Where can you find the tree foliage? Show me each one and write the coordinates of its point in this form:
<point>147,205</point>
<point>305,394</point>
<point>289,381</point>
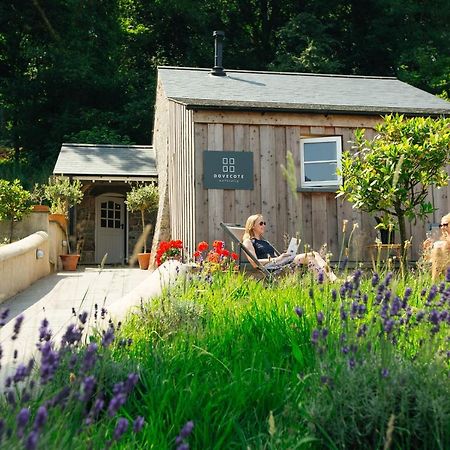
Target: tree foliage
<point>14,203</point>
<point>143,199</point>
<point>74,70</point>
<point>393,172</point>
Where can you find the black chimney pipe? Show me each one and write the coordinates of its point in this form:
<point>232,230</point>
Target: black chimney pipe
<point>217,70</point>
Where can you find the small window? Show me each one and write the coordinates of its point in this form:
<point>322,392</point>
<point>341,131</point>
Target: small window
<point>320,158</point>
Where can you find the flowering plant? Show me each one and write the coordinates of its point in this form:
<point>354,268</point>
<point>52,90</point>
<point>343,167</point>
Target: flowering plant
<point>218,258</point>
<point>167,250</point>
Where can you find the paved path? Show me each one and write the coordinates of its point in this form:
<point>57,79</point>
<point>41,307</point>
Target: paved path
<point>54,298</point>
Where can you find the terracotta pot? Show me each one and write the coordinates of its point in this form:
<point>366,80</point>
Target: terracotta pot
<point>59,218</point>
<point>69,262</point>
<point>41,208</point>
<point>144,260</point>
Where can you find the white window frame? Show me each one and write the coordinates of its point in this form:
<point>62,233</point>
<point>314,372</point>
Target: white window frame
<point>310,184</point>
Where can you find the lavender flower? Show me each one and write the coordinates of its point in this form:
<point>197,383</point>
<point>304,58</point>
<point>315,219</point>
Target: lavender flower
<point>384,373</point>
<point>388,278</point>
<point>49,362</point>
<point>447,275</point>
<point>72,335</point>
<point>90,357</point>
<point>22,420</point>
<point>388,325</point>
<point>138,424</point>
<point>298,311</point>
<point>351,363</point>
<point>41,418</point>
<point>334,295</point>
<point>108,337</point>
<point>375,279</point>
<point>121,428</point>
<point>83,317</point>
<point>315,337</point>
<point>184,434</point>
<point>320,317</point>
<point>321,276</point>
<point>32,440</point>
<point>115,403</point>
<point>87,387</point>
<point>17,325</point>
<point>3,316</point>
<point>44,332</point>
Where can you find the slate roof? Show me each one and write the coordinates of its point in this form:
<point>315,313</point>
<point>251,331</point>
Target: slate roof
<point>106,160</point>
<point>287,91</point>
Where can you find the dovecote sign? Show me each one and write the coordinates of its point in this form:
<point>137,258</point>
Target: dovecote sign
<point>227,170</point>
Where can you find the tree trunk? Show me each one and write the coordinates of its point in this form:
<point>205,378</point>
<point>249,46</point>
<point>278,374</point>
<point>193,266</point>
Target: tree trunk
<point>143,231</point>
<point>11,230</point>
<point>402,229</point>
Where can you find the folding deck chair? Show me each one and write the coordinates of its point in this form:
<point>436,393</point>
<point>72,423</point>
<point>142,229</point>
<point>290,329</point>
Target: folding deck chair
<point>236,232</point>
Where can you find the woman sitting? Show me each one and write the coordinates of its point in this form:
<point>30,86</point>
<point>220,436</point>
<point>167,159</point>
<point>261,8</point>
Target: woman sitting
<point>438,252</point>
<point>265,253</point>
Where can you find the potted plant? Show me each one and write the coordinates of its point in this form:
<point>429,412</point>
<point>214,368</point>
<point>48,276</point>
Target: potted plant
<point>14,203</point>
<point>143,199</point>
<point>63,194</point>
<point>38,197</point>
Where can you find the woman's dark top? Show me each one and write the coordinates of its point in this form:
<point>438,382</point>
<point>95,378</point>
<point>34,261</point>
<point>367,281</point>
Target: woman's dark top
<point>263,249</point>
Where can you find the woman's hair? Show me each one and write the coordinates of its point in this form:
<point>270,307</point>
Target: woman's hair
<point>249,233</point>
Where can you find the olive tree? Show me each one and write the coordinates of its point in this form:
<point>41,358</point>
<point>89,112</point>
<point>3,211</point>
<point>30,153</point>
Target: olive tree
<point>393,171</point>
<point>14,203</point>
<point>144,199</point>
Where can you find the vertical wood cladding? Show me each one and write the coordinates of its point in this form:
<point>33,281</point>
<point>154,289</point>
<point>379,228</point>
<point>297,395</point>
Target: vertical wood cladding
<point>196,212</point>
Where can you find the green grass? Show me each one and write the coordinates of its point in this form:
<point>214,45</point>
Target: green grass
<point>232,355</point>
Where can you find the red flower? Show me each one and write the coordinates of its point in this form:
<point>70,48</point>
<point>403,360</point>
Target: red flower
<point>197,254</point>
<point>202,246</point>
<point>167,249</point>
<point>218,245</point>
<point>235,256</point>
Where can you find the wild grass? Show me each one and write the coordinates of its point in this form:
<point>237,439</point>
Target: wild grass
<point>228,362</point>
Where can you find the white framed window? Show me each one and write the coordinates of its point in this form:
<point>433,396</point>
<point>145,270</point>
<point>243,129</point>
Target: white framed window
<point>320,158</point>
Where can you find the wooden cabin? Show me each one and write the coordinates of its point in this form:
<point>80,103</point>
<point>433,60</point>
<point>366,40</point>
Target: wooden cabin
<point>221,142</point>
<point>101,223</point>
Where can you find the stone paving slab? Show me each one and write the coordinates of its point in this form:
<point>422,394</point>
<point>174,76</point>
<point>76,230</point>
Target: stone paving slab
<point>54,298</point>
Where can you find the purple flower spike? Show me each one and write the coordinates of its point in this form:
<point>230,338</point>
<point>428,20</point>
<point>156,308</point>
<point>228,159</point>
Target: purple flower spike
<point>49,362</point>
<point>375,279</point>
<point>187,429</point>
<point>90,357</point>
<point>32,440</point>
<point>3,316</point>
<point>298,311</point>
<point>87,388</point>
<point>17,325</point>
<point>138,424</point>
<point>108,337</point>
<point>384,373</point>
<point>351,363</point>
<point>121,428</point>
<point>447,275</point>
<point>315,337</point>
<point>83,317</point>
<point>320,317</point>
<point>321,277</point>
<point>115,403</point>
<point>21,420</point>
<point>44,332</point>
<point>41,418</point>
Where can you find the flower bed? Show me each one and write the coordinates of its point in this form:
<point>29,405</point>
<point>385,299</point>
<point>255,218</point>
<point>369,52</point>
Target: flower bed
<point>229,362</point>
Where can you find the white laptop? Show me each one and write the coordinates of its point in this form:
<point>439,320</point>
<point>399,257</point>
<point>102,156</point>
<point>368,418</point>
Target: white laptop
<point>292,249</point>
<point>293,246</point>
